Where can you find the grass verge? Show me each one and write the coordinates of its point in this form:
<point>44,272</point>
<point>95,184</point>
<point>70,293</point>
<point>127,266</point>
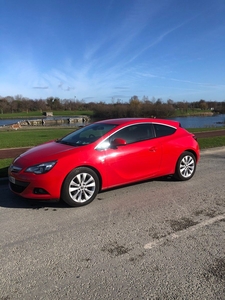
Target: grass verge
<point>31,137</point>
<point>211,142</point>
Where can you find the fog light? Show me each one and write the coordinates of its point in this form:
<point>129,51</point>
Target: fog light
<point>40,191</point>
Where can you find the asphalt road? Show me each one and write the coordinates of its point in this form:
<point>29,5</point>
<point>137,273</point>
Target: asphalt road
<point>160,239</point>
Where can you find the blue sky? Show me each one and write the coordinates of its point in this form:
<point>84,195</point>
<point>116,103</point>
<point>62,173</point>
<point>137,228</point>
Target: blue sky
<point>104,50</point>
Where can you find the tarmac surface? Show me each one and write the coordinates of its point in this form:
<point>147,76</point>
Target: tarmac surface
<point>156,240</point>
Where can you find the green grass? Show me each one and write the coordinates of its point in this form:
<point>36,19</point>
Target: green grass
<point>193,130</point>
<point>35,136</point>
<point>73,113</point>
<point>31,137</point>
<point>39,114</point>
<point>217,141</point>
<point>191,112</point>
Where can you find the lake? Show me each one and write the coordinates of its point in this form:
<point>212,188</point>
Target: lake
<point>201,122</point>
<point>186,122</point>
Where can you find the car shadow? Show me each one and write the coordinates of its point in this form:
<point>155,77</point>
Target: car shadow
<point>32,204</point>
<point>13,201</point>
<point>10,200</point>
<point>168,178</point>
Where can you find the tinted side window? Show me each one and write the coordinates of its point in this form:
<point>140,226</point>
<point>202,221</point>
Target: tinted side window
<point>163,130</point>
<point>135,133</point>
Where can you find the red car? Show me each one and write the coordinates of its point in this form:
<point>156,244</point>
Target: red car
<point>103,155</point>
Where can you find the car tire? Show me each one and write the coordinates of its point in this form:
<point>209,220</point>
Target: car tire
<point>80,187</point>
<point>186,166</point>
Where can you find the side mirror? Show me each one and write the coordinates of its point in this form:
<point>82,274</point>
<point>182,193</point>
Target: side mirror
<point>118,142</point>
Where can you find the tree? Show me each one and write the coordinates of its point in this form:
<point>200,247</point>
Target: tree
<point>203,105</point>
<point>54,103</point>
<point>4,106</point>
<point>135,105</point>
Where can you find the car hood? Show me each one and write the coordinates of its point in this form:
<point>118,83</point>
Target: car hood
<point>46,152</point>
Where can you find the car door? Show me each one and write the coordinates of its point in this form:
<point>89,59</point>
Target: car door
<point>138,159</point>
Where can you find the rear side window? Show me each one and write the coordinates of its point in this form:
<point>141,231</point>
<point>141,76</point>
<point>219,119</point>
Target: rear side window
<point>163,130</point>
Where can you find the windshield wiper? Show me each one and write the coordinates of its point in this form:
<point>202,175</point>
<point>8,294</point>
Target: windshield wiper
<point>65,143</point>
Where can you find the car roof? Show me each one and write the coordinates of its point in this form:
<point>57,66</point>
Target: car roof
<point>128,121</point>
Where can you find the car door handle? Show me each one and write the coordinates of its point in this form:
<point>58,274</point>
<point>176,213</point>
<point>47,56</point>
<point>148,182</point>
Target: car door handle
<point>152,149</point>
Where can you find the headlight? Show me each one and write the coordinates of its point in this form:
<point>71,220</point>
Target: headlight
<point>41,168</point>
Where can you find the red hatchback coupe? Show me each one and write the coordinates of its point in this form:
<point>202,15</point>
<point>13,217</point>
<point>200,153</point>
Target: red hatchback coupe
<point>103,155</point>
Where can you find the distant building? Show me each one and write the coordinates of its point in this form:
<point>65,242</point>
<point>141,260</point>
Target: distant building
<point>48,113</point>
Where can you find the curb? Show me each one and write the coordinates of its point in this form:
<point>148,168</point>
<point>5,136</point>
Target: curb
<point>210,150</point>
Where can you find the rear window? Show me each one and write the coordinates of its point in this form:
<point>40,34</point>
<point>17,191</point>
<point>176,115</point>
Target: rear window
<point>163,130</point>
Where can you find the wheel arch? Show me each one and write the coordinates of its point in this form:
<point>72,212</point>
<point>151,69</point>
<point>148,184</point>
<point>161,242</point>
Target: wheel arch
<point>186,150</point>
<point>191,151</point>
<point>85,166</point>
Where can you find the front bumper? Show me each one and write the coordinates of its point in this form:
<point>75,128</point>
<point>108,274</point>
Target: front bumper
<point>36,187</point>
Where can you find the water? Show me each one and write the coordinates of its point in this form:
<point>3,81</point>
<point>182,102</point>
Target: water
<point>186,122</point>
<point>201,122</point>
<point>8,122</point>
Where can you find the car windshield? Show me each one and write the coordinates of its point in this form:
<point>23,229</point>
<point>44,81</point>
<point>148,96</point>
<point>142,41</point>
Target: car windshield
<point>87,134</point>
